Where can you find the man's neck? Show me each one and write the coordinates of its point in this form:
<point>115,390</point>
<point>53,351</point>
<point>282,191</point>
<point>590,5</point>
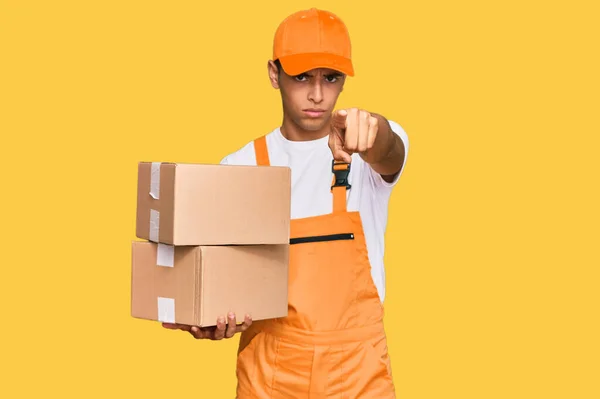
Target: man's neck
<point>292,132</point>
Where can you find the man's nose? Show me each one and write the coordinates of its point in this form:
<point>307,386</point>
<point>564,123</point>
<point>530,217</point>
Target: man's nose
<point>316,93</point>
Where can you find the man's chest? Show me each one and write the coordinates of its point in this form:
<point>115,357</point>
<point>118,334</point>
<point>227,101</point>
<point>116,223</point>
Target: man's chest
<point>312,178</point>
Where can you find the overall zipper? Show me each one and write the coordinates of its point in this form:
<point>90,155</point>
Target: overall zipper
<point>331,237</point>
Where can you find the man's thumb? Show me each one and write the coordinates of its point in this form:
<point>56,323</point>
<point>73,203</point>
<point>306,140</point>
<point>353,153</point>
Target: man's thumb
<point>337,149</point>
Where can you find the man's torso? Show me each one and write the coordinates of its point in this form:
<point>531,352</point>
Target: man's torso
<point>310,164</point>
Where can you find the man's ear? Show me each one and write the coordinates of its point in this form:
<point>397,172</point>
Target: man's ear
<point>273,74</point>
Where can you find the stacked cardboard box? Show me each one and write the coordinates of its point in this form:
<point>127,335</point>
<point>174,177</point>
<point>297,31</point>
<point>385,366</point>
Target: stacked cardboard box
<point>215,240</point>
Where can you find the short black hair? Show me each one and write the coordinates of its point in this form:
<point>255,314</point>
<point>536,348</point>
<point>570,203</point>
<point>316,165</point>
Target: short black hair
<point>278,65</point>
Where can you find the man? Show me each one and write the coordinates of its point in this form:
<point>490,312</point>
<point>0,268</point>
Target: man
<point>344,165</point>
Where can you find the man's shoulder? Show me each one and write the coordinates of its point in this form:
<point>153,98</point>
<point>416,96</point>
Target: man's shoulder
<point>396,128</point>
<point>245,155</point>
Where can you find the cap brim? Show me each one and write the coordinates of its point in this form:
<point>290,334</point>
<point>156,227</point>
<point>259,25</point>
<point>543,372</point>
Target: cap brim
<point>300,63</point>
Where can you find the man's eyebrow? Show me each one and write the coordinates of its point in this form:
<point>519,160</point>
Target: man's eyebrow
<point>333,73</point>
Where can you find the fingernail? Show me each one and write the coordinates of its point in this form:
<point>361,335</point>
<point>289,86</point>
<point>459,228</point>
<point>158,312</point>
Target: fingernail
<point>221,320</point>
<point>231,315</point>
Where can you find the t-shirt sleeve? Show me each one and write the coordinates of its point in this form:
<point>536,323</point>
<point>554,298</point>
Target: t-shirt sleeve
<point>244,156</point>
<point>378,180</point>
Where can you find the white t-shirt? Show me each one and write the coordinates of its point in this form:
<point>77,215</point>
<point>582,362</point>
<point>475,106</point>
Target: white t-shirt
<point>310,164</point>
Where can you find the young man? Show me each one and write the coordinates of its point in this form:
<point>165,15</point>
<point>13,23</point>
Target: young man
<point>344,165</point>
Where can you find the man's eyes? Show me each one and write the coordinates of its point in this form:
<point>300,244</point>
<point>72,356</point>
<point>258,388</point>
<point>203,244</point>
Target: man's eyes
<point>329,78</point>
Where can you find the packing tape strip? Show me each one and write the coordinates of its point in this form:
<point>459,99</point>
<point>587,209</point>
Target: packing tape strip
<point>154,225</point>
<point>155,180</point>
<point>165,255</point>
<point>166,310</point>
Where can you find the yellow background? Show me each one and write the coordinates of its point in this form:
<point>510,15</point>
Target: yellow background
<point>492,247</point>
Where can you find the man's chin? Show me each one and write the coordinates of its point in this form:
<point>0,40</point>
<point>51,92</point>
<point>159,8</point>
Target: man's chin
<point>314,124</point>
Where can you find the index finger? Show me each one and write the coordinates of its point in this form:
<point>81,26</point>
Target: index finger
<point>339,118</point>
<point>351,136</point>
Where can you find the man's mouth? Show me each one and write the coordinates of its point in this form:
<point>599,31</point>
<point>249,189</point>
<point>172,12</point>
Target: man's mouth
<point>314,112</point>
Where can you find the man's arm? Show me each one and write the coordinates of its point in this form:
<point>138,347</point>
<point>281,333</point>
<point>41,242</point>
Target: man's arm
<point>387,154</point>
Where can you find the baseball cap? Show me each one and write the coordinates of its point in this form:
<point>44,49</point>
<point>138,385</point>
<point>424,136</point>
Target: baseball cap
<point>311,39</point>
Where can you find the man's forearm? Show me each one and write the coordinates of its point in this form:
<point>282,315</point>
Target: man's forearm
<point>387,154</point>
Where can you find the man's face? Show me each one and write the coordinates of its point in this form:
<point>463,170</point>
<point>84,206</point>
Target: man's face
<point>308,99</point>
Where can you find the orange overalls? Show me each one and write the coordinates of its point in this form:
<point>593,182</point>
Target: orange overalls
<point>332,344</point>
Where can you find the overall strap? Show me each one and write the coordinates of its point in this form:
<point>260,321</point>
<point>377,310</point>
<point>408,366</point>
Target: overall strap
<point>340,170</point>
<point>340,184</point>
<point>261,151</point>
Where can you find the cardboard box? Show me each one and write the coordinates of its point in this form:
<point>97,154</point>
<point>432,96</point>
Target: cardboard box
<point>197,204</point>
<point>195,285</point>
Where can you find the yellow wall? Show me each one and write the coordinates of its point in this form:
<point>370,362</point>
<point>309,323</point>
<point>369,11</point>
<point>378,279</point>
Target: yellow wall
<point>492,284</point>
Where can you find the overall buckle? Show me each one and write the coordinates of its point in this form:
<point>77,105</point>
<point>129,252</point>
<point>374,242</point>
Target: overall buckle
<point>341,170</point>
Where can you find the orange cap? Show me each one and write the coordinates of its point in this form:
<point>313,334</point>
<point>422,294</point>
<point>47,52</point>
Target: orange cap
<point>311,39</point>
